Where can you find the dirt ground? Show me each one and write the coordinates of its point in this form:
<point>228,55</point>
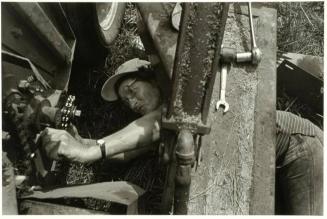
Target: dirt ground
<point>109,117</point>
<point>298,24</point>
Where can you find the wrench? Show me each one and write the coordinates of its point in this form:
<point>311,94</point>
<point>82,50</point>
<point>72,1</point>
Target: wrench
<point>256,53</point>
<point>223,80</point>
<point>251,26</point>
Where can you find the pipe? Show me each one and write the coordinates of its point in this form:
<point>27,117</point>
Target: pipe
<point>185,159</point>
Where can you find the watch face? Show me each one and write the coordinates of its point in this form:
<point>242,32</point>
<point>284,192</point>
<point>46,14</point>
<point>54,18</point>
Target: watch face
<point>100,141</point>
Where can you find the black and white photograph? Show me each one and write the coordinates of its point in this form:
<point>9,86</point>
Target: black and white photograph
<point>162,108</point>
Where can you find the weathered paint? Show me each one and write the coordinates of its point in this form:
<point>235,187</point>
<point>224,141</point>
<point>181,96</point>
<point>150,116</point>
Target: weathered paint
<point>264,138</point>
<point>236,174</point>
<point>156,17</point>
<point>41,33</point>
<point>38,20</point>
<point>191,75</point>
<point>193,62</point>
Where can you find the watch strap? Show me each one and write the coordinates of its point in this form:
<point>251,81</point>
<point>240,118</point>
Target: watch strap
<point>102,145</point>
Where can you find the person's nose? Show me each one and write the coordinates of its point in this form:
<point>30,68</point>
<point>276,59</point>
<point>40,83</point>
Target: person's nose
<point>132,102</point>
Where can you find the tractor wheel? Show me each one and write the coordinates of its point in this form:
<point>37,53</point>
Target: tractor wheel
<point>95,25</point>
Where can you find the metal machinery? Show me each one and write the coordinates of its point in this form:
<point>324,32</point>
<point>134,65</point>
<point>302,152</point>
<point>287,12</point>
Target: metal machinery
<point>199,142</point>
<point>37,50</point>
<point>33,106</point>
<point>38,46</point>
<point>37,53</point>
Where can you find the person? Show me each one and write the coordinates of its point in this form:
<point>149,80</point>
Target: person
<point>299,148</point>
<point>135,86</point>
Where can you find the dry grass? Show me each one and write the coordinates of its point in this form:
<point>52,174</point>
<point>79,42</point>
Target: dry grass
<point>300,29</point>
<point>101,118</point>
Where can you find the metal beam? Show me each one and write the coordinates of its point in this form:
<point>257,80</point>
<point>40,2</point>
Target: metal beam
<point>37,18</point>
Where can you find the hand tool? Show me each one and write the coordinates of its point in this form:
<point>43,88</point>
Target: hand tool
<point>223,80</point>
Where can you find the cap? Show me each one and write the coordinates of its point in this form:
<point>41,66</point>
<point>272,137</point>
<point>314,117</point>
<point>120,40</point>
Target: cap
<point>129,67</point>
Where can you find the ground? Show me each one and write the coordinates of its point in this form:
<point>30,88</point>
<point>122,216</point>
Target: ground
<point>300,30</point>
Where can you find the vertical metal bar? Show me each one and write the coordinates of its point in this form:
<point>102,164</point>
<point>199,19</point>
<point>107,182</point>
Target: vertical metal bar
<point>191,75</point>
<point>178,55</point>
<point>264,137</point>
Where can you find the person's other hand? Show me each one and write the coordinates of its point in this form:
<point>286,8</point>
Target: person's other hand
<point>59,144</point>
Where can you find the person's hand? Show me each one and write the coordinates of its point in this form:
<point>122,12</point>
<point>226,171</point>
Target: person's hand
<point>71,129</point>
<point>59,144</point>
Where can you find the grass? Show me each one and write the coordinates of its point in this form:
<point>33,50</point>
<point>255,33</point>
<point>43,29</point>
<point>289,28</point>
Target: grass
<point>300,30</point>
<point>298,24</point>
<point>102,118</point>
<point>300,27</point>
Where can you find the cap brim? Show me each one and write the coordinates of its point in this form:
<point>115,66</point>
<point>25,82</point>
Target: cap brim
<point>108,91</point>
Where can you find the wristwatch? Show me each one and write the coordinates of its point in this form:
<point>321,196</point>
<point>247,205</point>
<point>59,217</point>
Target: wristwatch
<point>102,145</point>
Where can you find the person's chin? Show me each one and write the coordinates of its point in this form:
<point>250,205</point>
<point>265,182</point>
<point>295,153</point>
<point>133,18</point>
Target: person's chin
<point>142,110</point>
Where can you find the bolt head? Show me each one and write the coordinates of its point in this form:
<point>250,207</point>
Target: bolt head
<point>32,155</point>
<point>256,55</point>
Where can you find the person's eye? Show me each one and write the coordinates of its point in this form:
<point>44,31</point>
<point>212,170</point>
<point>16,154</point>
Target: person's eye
<point>134,87</point>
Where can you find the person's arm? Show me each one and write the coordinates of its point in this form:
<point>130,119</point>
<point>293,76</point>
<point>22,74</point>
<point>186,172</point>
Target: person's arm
<point>138,134</point>
<point>129,155</point>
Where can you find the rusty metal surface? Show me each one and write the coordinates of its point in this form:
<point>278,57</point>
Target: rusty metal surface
<point>156,18</point>
<point>41,33</point>
<point>215,64</point>
<point>236,172</point>
<point>38,20</point>
<point>193,63</point>
<point>31,207</point>
<point>120,192</point>
<point>200,25</point>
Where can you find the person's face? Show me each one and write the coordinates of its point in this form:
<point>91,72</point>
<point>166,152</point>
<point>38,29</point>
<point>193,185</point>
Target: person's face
<point>141,96</point>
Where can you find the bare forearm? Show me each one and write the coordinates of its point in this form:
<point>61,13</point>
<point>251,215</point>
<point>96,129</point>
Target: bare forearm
<point>129,155</point>
<point>88,142</point>
<point>138,134</point>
